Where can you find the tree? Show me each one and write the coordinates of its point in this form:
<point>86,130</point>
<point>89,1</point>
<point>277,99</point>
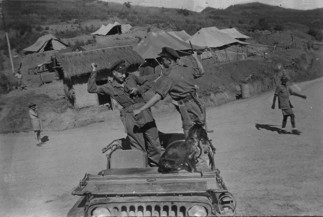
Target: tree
<point>184,12</point>
<point>316,33</point>
<point>39,28</point>
<point>127,5</point>
<point>278,27</point>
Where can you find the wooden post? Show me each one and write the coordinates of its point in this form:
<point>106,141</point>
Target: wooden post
<point>10,56</point>
<point>8,41</point>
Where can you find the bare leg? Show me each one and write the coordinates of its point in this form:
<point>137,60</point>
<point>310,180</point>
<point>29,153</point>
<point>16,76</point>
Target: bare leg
<point>38,135</point>
<point>284,121</point>
<point>292,120</point>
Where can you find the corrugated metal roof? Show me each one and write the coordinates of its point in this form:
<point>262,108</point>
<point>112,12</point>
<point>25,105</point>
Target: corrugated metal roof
<point>79,63</point>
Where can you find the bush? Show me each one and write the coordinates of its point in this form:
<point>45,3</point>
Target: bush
<point>23,28</point>
<point>316,33</point>
<point>184,12</point>
<point>39,28</point>
<point>278,27</point>
<point>127,5</point>
<point>7,83</point>
<point>263,24</point>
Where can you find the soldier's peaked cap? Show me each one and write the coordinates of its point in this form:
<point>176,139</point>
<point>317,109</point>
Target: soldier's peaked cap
<point>31,105</point>
<point>169,52</point>
<point>119,66</point>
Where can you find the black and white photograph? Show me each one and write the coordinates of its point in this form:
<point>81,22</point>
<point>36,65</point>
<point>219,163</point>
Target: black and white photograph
<point>189,108</point>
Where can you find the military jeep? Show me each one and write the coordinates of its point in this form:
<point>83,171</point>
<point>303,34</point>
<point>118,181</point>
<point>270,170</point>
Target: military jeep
<point>128,187</point>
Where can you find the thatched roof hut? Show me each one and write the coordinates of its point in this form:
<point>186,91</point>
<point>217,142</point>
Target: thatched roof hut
<point>76,68</point>
<point>76,64</point>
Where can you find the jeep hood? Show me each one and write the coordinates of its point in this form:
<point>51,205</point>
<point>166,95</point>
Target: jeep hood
<point>146,181</point>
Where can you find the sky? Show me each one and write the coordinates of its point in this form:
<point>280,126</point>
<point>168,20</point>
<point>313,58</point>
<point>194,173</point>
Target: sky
<point>199,5</point>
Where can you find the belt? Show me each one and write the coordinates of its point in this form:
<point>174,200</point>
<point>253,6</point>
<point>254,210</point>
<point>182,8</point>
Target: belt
<point>189,98</point>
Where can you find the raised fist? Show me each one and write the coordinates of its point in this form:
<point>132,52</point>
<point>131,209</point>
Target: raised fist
<point>94,66</point>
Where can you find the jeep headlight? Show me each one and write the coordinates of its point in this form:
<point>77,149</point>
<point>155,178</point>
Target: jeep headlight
<point>101,212</point>
<point>197,211</point>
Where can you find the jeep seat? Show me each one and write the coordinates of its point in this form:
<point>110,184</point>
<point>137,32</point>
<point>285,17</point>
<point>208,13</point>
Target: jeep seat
<point>132,158</point>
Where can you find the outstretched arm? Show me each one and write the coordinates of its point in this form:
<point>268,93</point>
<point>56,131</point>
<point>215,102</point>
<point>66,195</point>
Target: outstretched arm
<point>143,81</point>
<point>164,86</point>
<point>297,94</point>
<point>156,98</point>
<point>92,87</point>
<point>91,83</point>
<point>200,71</point>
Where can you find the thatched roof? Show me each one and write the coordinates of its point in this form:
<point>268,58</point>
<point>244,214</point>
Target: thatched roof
<point>79,63</point>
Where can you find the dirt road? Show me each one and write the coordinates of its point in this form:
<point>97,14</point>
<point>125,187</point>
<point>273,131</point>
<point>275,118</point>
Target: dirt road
<point>269,173</point>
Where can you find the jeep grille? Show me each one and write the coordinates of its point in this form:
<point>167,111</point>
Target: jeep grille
<point>150,209</point>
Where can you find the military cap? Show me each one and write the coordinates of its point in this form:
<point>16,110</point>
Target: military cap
<point>31,105</point>
<point>119,66</point>
<point>170,53</point>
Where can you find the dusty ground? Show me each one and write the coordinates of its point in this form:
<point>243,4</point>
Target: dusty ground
<point>269,173</point>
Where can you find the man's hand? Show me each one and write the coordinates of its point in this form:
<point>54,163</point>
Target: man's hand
<point>136,112</point>
<point>94,66</point>
<point>194,54</point>
<point>134,91</point>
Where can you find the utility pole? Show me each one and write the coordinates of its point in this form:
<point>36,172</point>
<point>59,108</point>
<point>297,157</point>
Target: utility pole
<point>7,36</point>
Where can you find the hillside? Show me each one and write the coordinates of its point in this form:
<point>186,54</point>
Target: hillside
<point>252,12</point>
<point>42,14</point>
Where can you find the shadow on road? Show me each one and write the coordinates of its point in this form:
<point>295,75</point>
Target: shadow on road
<point>43,140</point>
<point>276,129</point>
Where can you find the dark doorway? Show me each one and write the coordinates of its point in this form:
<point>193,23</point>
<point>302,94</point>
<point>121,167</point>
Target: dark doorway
<point>103,99</point>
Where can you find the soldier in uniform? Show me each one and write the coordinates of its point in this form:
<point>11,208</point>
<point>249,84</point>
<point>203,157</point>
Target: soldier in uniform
<point>141,130</point>
<point>283,92</point>
<point>178,82</point>
<point>141,85</point>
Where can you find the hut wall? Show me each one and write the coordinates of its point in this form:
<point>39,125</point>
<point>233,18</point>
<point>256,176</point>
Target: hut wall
<point>83,98</point>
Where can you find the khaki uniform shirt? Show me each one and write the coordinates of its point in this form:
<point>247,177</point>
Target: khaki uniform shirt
<point>114,90</point>
<point>178,81</point>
